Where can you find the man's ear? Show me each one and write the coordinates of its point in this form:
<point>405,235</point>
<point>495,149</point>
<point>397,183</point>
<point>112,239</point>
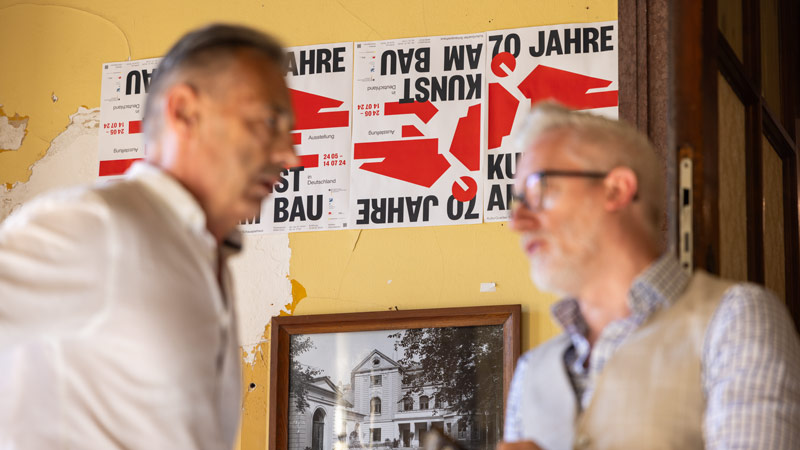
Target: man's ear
<point>621,187</point>
<point>181,106</point>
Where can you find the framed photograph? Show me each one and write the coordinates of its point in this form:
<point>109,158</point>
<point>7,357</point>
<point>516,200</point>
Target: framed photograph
<point>383,380</point>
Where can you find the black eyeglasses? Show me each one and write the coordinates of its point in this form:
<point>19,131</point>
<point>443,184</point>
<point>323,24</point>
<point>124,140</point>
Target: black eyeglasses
<point>532,198</point>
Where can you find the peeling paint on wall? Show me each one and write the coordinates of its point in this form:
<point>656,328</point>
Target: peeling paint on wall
<point>261,286</point>
<point>12,131</point>
<point>71,159</point>
<point>298,293</point>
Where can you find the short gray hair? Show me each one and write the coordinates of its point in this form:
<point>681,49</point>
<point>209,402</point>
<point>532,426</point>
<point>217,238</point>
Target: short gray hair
<point>607,144</point>
<point>203,51</point>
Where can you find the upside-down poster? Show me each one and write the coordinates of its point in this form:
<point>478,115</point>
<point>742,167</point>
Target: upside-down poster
<point>573,64</point>
<point>418,127</point>
<point>122,94</point>
<point>314,195</point>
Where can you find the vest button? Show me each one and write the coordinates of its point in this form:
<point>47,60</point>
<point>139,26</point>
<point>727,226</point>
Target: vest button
<point>582,441</point>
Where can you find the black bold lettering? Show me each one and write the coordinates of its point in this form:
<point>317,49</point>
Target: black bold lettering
<point>474,55</point>
<point>423,59</point>
<point>474,83</point>
<point>496,198</point>
<point>570,41</point>
<point>429,201</point>
<point>496,40</point>
<point>533,51</point>
<point>455,80</point>
<point>455,209</point>
<point>414,207</point>
<point>512,44</point>
<point>338,59</point>
<point>590,38</point>
<point>395,210</point>
<point>283,184</point>
<point>454,55</point>
<point>495,171</point>
<point>422,89</point>
<point>133,80</point>
<point>405,58</point>
<point>146,79</point>
<point>280,211</point>
<point>378,210</point>
<point>363,212</point>
<point>554,44</point>
<point>296,178</point>
<point>438,89</point>
<point>298,211</point>
<point>406,98</point>
<point>471,215</point>
<point>323,61</point>
<point>291,64</point>
<point>605,38</point>
<point>314,214</point>
<point>389,58</point>
<point>306,62</point>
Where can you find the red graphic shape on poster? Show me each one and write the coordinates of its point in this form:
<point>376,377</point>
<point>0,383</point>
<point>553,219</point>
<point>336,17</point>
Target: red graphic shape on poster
<point>115,166</point>
<point>500,59</point>
<point>568,88</point>
<point>134,127</point>
<point>502,110</point>
<point>415,161</point>
<point>411,131</point>
<point>308,114</point>
<point>308,161</point>
<point>465,195</point>
<point>297,138</point>
<point>466,145</point>
<point>424,110</point>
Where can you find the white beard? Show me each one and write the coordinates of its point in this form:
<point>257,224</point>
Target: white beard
<point>562,269</point>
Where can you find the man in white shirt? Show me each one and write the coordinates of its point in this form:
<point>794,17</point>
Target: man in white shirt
<point>117,326</point>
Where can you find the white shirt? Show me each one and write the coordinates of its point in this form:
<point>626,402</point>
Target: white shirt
<point>114,331</point>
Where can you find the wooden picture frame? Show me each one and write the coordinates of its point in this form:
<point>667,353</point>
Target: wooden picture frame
<point>437,328</point>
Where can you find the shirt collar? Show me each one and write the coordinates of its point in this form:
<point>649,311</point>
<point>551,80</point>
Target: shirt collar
<point>657,286</point>
<point>183,204</point>
<point>171,193</point>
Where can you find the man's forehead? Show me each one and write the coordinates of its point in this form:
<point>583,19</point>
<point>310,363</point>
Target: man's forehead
<point>255,79</point>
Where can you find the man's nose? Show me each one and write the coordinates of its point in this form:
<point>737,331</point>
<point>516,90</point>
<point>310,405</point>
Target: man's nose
<point>283,152</point>
<point>522,219</point>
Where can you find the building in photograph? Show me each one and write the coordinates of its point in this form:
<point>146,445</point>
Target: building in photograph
<point>374,410</point>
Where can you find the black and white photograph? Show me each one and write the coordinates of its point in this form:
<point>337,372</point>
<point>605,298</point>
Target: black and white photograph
<point>388,389</point>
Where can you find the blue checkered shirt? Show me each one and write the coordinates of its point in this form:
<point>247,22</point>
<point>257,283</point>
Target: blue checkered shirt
<point>750,367</point>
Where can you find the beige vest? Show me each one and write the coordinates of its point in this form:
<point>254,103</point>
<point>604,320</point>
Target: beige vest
<point>650,393</point>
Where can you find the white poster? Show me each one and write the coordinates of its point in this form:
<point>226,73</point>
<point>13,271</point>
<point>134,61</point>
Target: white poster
<point>314,195</point>
<point>573,64</point>
<point>418,129</point>
<point>122,95</point>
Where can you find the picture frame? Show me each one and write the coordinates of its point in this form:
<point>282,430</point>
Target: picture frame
<point>443,368</point>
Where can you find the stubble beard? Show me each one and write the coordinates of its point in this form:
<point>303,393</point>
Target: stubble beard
<point>563,269</point>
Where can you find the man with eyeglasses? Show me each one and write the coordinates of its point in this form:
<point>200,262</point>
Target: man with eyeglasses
<point>117,326</point>
<point>650,357</point>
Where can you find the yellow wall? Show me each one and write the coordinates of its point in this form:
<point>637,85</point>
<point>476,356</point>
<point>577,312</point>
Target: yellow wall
<point>58,50</point>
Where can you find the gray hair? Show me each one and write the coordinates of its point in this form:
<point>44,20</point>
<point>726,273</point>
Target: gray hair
<point>201,53</point>
<point>606,144</point>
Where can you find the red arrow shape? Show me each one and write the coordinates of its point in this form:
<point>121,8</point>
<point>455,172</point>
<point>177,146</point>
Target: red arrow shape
<point>415,161</point>
<point>424,110</point>
<point>466,144</point>
<point>568,88</point>
<point>307,113</point>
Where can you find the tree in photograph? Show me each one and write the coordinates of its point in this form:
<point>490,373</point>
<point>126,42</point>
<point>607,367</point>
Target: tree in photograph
<point>300,375</point>
<point>462,365</point>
